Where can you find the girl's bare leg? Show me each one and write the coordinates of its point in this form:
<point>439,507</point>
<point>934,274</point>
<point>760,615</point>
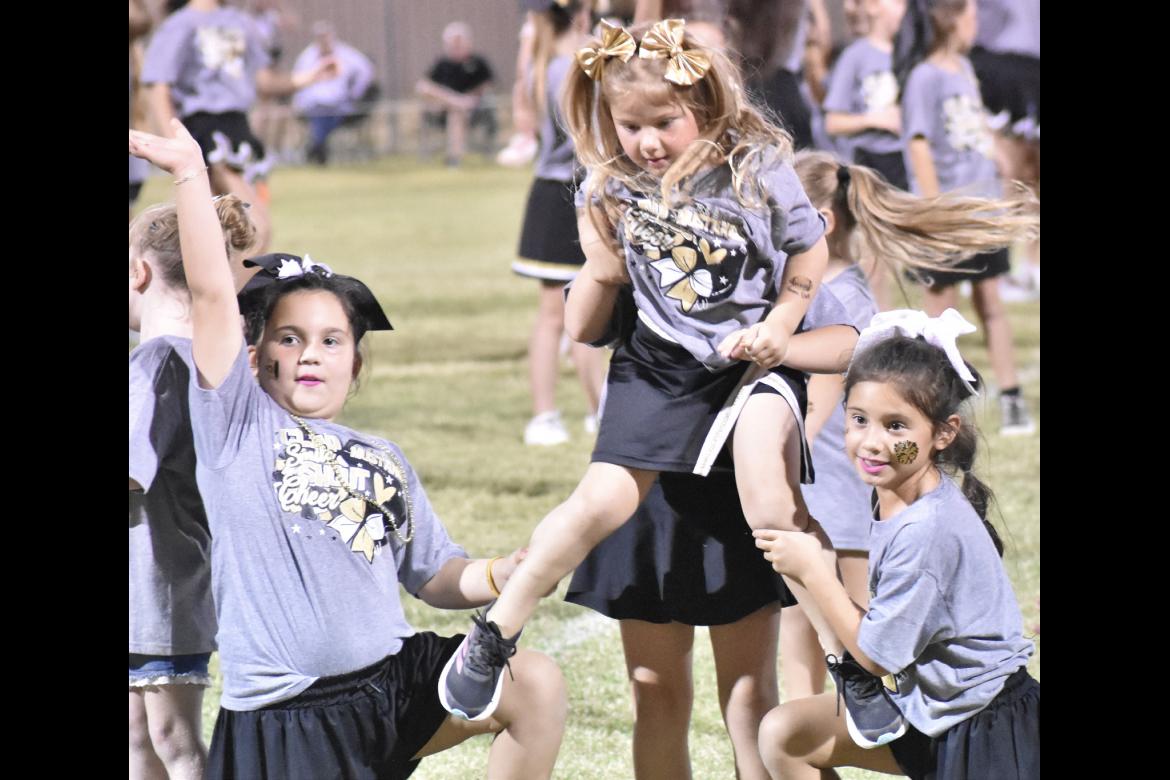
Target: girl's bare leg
<point>803,659</point>
<point>998,331</point>
<point>745,667</point>
<point>543,347</point>
<point>658,662</point>
<point>936,300</point>
<point>766,449</point>
<point>605,498</point>
<point>529,722</point>
<point>144,762</point>
<point>806,738</point>
<point>174,714</point>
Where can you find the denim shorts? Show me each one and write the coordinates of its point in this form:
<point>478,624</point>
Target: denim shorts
<point>147,670</point>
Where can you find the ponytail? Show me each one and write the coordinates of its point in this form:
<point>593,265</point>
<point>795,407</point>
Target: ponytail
<point>907,232</point>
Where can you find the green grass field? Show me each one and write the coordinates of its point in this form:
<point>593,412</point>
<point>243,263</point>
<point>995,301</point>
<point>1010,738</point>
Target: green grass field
<point>449,385</point>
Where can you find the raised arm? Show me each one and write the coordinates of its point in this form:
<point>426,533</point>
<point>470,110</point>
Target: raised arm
<point>215,316</point>
<point>591,298</point>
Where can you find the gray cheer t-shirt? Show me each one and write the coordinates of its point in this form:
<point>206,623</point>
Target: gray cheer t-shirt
<point>711,266</point>
<point>305,577</point>
<point>839,500</point>
<point>209,59</point>
<point>945,108</point>
<point>942,614</point>
<point>171,611</point>
<point>557,160</point>
<point>863,82</point>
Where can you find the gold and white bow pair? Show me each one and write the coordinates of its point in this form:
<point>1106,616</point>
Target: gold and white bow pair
<point>664,40</point>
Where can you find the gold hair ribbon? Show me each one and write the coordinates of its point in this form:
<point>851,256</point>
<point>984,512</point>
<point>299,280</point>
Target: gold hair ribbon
<point>615,42</point>
<point>665,39</point>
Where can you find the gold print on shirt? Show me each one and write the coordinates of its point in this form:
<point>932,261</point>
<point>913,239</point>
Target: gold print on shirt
<point>966,126</point>
<point>306,485</point>
<point>222,48</point>
<point>685,247</point>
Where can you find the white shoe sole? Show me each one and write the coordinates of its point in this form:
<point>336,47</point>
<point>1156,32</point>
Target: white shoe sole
<point>455,711</point>
<point>867,744</point>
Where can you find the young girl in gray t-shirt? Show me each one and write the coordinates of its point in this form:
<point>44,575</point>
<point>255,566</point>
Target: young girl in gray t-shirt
<point>949,147</point>
<point>934,680</point>
<point>314,526</point>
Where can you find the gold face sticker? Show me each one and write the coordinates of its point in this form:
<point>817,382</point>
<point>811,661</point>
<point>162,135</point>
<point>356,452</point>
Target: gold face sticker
<point>905,452</point>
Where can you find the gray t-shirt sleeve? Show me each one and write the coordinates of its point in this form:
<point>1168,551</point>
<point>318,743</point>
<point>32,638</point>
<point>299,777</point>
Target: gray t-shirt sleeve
<point>167,50</point>
<point>919,101</point>
<point>908,611</point>
<point>839,97</point>
<point>149,435</point>
<point>222,416</point>
<point>796,225</point>
<point>430,548</point>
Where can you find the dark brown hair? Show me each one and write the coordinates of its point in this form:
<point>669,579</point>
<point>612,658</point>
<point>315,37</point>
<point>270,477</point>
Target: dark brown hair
<point>924,376</point>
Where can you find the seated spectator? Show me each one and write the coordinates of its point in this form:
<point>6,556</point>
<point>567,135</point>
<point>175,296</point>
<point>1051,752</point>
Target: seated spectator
<point>327,104</point>
<point>455,86</point>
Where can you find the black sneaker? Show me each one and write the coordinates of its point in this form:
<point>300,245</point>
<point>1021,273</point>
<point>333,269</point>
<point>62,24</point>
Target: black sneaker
<point>870,714</point>
<point>473,678</point>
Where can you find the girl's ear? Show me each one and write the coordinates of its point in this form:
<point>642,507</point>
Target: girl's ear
<point>253,361</point>
<point>357,364</point>
<point>947,432</point>
<point>140,274</point>
<point>830,220</point>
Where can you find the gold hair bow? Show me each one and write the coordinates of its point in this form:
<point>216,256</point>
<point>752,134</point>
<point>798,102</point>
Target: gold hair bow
<point>615,42</point>
<point>665,39</point>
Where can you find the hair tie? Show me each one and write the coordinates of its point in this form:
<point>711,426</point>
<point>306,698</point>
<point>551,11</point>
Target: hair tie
<point>665,40</point>
<point>844,177</point>
<point>615,42</point>
<point>941,331</point>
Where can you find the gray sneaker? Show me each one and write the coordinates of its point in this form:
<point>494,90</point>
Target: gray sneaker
<point>473,677</point>
<point>870,715</point>
<point>1014,417</point>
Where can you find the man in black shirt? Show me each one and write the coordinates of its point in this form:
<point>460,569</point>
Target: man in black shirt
<point>455,86</point>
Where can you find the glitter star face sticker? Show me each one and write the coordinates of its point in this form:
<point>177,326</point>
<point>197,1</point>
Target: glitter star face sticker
<point>905,452</point>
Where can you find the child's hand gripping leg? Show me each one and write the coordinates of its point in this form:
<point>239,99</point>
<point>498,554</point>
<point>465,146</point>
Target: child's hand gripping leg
<point>766,449</point>
<point>606,497</point>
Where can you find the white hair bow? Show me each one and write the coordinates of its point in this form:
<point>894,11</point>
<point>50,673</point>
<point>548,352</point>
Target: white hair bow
<point>290,268</point>
<point>941,332</point>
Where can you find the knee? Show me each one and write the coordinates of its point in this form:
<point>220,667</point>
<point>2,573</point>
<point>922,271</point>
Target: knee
<point>139,731</point>
<point>662,698</point>
<point>173,738</point>
<point>778,731</point>
<point>536,692</point>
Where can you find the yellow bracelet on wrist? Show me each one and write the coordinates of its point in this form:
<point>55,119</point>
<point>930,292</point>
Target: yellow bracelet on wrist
<point>491,581</point>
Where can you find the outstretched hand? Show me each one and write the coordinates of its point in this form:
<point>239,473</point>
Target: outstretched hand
<point>179,155</point>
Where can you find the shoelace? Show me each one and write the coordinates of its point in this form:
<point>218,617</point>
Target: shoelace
<point>833,663</point>
<point>864,683</point>
<point>492,650</point>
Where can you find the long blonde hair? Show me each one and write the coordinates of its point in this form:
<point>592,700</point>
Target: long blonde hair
<point>908,232</point>
<point>731,128</point>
